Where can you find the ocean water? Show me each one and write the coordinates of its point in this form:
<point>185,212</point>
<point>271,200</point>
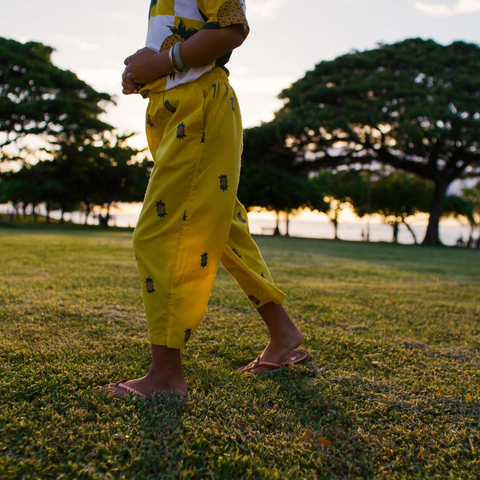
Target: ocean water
<point>353,231</point>
<point>379,232</point>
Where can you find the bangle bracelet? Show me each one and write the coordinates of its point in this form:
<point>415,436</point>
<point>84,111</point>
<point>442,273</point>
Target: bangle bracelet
<point>177,57</point>
<point>172,63</point>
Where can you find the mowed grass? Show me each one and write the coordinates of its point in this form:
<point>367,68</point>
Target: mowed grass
<point>391,390</point>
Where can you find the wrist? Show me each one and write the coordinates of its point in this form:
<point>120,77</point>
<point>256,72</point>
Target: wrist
<point>162,64</point>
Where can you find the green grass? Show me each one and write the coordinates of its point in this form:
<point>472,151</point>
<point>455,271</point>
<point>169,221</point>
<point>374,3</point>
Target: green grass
<point>394,336</point>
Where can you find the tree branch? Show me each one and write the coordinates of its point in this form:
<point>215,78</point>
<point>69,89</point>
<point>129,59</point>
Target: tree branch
<point>410,166</point>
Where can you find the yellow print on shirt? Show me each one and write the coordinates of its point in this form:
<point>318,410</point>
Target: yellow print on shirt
<point>229,13</point>
<point>179,34</point>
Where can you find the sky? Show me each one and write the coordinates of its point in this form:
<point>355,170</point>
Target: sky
<point>288,38</point>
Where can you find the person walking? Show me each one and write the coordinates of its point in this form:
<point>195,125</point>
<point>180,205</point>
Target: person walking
<point>191,219</point>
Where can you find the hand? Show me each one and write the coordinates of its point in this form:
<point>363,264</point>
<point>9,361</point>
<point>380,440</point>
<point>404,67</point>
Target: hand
<point>142,67</point>
<point>129,86</point>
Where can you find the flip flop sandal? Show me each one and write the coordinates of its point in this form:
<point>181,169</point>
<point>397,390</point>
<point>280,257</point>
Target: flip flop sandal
<point>296,356</point>
<point>121,385</point>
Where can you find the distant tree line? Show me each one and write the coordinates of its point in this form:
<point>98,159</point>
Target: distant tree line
<point>386,131</point>
<point>80,163</point>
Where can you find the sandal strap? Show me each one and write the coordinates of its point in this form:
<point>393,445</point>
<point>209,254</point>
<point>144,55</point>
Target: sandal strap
<point>296,356</point>
<point>251,365</point>
<point>127,388</point>
<point>269,364</point>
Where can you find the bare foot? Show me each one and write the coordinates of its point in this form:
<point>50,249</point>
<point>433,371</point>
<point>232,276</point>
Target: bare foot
<point>165,376</point>
<point>147,386</point>
<point>284,335</point>
<point>278,348</point>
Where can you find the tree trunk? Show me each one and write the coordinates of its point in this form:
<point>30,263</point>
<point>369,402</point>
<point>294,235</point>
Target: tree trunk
<point>103,219</point>
<point>335,224</point>
<point>436,210</point>
<point>47,216</point>
<point>394,225</point>
<point>277,229</point>
<point>287,225</point>
<point>62,217</point>
<point>87,213</point>
<point>411,231</point>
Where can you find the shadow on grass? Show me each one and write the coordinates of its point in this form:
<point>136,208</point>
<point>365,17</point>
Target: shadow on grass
<point>372,425</point>
<point>158,438</point>
<point>326,432</point>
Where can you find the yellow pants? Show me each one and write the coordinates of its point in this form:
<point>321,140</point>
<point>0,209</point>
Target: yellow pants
<point>191,219</point>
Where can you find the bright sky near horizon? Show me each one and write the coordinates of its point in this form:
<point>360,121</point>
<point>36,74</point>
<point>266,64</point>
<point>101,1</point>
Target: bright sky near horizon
<point>287,38</point>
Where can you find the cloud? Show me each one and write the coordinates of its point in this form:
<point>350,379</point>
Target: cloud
<point>265,8</point>
<point>437,10</point>
<point>87,46</point>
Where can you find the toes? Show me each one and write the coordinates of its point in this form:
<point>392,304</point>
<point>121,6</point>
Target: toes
<point>112,391</point>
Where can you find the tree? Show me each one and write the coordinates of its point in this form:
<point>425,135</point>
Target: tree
<point>465,206</point>
<point>81,177</point>
<point>14,190</point>
<point>414,105</point>
<point>395,196</point>
<point>473,195</point>
<point>114,176</point>
<point>271,176</point>
<point>38,98</point>
<point>338,189</point>
<point>85,164</point>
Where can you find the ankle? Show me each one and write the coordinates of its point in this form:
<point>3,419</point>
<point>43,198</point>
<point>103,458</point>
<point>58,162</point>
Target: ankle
<point>166,376</point>
<point>286,335</point>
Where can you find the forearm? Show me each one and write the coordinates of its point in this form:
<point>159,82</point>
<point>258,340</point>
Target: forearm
<point>202,48</point>
<point>209,44</point>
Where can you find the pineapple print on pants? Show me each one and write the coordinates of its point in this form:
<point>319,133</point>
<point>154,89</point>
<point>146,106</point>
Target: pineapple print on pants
<point>181,252</point>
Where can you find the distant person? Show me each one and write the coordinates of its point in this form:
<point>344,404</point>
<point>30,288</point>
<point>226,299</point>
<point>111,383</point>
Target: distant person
<point>191,219</point>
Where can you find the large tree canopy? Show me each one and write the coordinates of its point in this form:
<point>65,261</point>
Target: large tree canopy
<point>414,105</point>
<point>36,97</point>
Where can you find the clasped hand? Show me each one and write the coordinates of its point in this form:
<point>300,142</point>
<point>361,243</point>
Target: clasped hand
<point>140,68</point>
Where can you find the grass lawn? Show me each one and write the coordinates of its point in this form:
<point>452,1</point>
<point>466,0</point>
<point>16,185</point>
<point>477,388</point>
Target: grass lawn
<point>391,390</point>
